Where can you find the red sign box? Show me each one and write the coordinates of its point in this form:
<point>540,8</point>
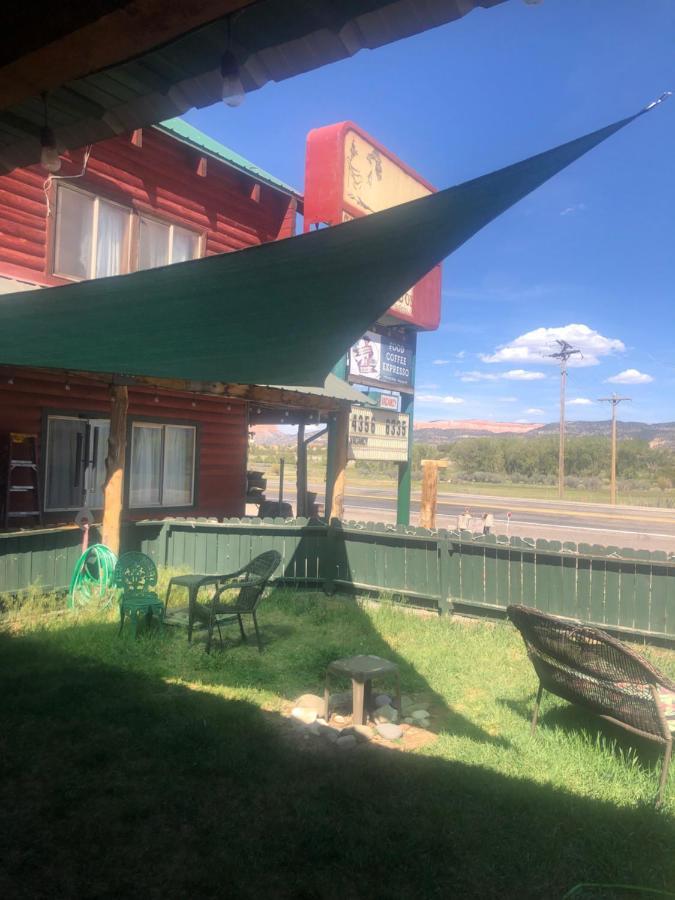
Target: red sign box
<point>348,174</point>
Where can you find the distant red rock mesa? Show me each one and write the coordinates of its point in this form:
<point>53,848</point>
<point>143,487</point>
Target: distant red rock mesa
<point>479,425</point>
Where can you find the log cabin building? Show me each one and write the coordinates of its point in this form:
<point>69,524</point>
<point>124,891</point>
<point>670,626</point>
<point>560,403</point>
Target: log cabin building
<point>154,197</point>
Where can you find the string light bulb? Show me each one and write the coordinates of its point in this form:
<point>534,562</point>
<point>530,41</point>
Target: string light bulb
<point>232,90</point>
<point>49,155</point>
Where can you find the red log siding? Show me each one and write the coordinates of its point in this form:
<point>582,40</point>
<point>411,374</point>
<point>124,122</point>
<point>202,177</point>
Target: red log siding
<point>161,178</point>
<point>221,441</point>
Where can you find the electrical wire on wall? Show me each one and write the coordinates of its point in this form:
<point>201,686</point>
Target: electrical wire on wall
<point>51,178</point>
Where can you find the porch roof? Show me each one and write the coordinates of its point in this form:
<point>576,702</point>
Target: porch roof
<point>280,313</point>
<point>110,69</point>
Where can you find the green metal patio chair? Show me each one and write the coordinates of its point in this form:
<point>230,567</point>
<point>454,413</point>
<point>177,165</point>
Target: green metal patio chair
<point>250,581</point>
<point>136,574</point>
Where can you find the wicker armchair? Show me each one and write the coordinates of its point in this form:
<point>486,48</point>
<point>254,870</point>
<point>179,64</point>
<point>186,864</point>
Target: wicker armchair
<point>588,667</point>
<point>250,581</point>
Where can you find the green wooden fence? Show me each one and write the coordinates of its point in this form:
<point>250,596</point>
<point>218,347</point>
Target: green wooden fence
<point>43,558</point>
<point>631,591</point>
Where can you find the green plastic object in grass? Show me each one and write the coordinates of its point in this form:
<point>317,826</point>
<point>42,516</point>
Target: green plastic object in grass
<point>136,574</point>
<point>93,577</point>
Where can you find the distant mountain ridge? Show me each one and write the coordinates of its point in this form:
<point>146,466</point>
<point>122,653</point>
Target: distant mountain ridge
<point>448,431</point>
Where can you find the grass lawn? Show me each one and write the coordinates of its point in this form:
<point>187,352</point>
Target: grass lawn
<point>150,769</point>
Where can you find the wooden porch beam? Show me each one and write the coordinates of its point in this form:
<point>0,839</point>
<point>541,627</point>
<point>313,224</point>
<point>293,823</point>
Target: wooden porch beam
<point>429,496</point>
<point>337,506</point>
<point>113,489</point>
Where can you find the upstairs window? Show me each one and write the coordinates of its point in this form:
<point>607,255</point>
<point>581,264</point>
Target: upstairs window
<point>92,236</point>
<point>161,243</point>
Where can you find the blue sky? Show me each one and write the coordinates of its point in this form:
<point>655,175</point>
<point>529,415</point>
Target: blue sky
<point>593,248</point>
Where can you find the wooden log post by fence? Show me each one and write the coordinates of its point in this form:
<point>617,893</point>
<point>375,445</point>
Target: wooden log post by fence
<point>337,506</point>
<point>113,489</point>
<point>429,497</point>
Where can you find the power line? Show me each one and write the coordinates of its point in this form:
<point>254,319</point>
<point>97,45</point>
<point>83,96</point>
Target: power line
<point>563,354</point>
<point>614,400</point>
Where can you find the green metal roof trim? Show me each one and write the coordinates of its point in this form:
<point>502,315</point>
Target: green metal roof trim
<point>334,388</point>
<point>273,40</point>
<point>278,313</point>
<point>195,138</point>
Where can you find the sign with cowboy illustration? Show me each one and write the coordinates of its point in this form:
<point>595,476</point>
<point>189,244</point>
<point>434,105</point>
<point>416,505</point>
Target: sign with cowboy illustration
<point>349,174</point>
<point>381,359</point>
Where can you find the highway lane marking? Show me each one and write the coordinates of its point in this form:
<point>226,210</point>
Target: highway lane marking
<point>542,510</point>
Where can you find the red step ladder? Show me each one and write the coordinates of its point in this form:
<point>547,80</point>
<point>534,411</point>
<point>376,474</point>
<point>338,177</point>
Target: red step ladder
<point>21,479</point>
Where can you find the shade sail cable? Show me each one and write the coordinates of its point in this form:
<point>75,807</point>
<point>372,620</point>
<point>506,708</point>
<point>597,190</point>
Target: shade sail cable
<point>279,313</point>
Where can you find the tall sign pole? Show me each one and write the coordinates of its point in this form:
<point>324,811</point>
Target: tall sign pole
<point>614,400</point>
<point>563,354</point>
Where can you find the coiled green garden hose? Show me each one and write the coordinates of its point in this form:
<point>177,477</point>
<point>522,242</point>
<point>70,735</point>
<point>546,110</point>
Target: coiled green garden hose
<point>93,577</point>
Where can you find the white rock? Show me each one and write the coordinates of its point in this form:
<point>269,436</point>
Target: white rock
<point>340,719</point>
<point>420,714</point>
<point>385,714</point>
<point>311,701</point>
<point>308,716</point>
<point>389,731</point>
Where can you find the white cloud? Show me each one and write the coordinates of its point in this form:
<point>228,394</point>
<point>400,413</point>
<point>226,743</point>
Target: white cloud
<point>460,354</point>
<point>576,207</point>
<point>441,362</point>
<point>478,376</point>
<point>438,398</point>
<point>534,411</point>
<point>428,387</point>
<point>511,375</point>
<point>630,376</point>
<point>536,346</point>
<point>507,399</point>
<point>523,375</point>
<point>580,401</point>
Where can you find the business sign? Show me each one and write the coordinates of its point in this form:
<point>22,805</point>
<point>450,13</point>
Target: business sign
<point>390,401</point>
<point>379,359</point>
<point>377,434</point>
<point>349,174</point>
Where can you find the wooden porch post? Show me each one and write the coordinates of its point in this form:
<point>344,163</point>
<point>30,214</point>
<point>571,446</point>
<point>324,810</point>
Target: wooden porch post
<point>340,463</point>
<point>301,472</point>
<point>113,489</point>
<point>429,496</point>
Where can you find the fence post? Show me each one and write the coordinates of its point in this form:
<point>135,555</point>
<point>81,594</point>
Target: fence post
<point>445,550</point>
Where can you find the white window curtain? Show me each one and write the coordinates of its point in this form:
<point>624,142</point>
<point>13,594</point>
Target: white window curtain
<point>178,465</point>
<point>154,244</point>
<point>74,229</point>
<point>184,245</point>
<point>146,459</point>
<point>111,239</point>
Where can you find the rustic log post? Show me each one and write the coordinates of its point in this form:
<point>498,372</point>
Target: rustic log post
<point>340,463</point>
<point>429,496</point>
<point>113,489</point>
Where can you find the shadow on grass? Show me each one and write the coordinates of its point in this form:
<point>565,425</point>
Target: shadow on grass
<point>343,629</point>
<point>117,784</point>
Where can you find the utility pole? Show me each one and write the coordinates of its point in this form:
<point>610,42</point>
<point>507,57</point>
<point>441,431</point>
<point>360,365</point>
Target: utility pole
<point>614,400</point>
<point>566,350</point>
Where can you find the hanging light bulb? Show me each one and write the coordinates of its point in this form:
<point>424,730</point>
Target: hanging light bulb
<point>232,91</point>
<point>49,157</point>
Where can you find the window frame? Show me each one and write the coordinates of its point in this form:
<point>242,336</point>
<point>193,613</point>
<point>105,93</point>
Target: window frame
<point>135,210</point>
<point>52,513</point>
<point>162,423</point>
<point>159,219</point>
<point>97,200</point>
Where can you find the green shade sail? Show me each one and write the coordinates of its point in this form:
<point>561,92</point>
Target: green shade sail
<point>280,313</point>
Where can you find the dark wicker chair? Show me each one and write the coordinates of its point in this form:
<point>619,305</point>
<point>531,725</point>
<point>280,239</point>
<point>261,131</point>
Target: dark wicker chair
<point>251,582</point>
<point>588,667</point>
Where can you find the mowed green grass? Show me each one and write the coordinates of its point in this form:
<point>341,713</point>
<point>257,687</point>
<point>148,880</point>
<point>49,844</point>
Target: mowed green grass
<point>151,769</point>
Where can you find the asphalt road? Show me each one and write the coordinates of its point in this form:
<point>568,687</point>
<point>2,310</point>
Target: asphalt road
<point>641,528</point>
